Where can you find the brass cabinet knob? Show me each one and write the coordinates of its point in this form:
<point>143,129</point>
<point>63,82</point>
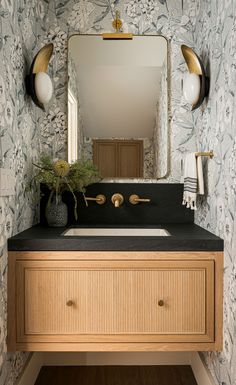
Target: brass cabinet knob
<point>70,303</point>
<point>161,302</point>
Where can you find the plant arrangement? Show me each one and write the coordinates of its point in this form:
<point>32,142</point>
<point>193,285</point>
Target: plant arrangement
<point>59,175</point>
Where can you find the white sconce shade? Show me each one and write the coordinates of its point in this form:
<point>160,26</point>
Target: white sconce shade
<point>196,83</point>
<point>191,88</point>
<point>38,83</point>
<point>43,87</point>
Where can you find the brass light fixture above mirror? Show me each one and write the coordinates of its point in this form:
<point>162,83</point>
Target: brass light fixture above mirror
<point>196,83</point>
<point>118,35</point>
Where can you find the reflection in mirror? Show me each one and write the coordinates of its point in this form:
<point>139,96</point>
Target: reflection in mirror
<point>118,105</point>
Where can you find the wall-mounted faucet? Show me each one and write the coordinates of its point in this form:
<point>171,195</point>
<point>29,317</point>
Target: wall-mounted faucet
<point>134,199</point>
<point>99,199</point>
<point>117,199</point>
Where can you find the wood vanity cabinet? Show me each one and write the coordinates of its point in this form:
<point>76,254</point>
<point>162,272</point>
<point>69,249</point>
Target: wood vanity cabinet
<point>115,301</point>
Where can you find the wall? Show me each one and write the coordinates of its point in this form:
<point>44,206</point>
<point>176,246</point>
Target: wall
<point>215,41</point>
<point>160,134</point>
<point>20,24</point>
<point>173,19</point>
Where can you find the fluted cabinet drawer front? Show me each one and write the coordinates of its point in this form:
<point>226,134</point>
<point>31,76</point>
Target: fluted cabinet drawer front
<point>125,299</point>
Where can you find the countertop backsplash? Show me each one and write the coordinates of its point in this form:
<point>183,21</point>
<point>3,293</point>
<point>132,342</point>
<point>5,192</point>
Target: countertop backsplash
<point>165,205</point>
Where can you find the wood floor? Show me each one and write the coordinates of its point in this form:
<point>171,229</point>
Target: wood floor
<point>116,375</point>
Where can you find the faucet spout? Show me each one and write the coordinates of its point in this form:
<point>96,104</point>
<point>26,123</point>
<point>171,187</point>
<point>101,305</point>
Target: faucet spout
<point>117,199</point>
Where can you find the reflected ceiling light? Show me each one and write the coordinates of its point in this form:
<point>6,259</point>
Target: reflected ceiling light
<point>196,83</point>
<point>38,82</point>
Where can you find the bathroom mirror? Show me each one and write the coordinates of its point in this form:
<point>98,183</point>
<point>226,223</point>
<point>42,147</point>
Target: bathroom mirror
<point>118,105</point>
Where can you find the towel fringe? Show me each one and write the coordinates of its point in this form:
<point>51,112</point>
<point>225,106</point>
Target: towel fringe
<point>190,203</point>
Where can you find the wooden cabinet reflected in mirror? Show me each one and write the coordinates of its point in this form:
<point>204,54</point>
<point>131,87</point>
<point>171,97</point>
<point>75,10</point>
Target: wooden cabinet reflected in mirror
<point>119,158</point>
<point>118,105</point>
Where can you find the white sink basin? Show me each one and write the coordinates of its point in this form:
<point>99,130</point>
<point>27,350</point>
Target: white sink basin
<point>115,232</point>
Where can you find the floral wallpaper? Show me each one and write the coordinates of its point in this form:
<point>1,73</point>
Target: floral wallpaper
<point>21,24</point>
<point>73,86</point>
<point>72,78</point>
<point>161,134</point>
<point>215,122</point>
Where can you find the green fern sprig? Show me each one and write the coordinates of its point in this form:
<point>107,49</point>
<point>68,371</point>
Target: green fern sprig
<point>60,176</point>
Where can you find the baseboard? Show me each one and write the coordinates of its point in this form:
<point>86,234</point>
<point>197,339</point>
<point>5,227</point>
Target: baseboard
<point>201,373</point>
<point>117,358</point>
<point>32,369</point>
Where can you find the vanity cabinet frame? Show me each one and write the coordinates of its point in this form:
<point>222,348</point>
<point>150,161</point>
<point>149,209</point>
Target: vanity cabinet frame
<point>26,336</point>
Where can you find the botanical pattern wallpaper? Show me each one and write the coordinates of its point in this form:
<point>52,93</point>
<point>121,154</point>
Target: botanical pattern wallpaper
<point>215,122</point>
<point>161,130</point>
<point>72,78</point>
<point>21,24</point>
<point>74,88</point>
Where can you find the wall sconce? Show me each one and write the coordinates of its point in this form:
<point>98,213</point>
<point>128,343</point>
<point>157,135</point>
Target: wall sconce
<point>196,83</point>
<point>38,82</point>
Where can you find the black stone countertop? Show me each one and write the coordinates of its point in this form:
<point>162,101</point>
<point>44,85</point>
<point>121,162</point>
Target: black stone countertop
<point>184,237</point>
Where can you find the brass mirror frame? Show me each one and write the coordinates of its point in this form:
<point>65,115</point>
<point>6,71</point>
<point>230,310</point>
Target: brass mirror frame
<point>169,114</point>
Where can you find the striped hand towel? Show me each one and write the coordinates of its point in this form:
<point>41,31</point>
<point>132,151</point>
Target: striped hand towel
<point>193,180</point>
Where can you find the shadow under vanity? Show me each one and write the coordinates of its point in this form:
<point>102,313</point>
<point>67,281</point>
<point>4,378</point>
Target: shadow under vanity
<point>117,293</point>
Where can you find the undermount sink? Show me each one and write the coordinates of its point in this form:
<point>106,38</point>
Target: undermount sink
<point>116,232</point>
